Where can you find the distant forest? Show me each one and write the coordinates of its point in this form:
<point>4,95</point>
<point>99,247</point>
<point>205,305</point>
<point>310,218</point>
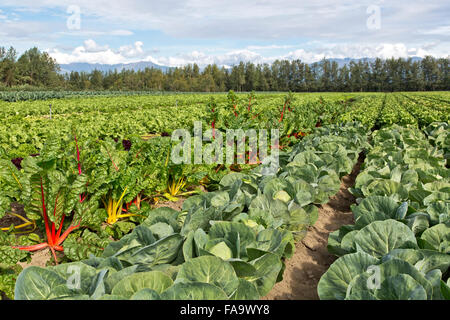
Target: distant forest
<point>37,70</point>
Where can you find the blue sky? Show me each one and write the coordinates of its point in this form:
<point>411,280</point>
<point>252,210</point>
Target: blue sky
<point>176,32</point>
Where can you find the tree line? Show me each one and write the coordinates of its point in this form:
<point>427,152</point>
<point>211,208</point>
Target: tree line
<point>35,69</point>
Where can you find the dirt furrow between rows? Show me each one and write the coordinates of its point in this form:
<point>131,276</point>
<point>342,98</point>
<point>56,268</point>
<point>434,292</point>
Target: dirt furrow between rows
<point>312,259</point>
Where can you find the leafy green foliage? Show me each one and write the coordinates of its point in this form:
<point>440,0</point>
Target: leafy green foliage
<point>401,223</point>
<point>248,225</point>
<point>225,244</point>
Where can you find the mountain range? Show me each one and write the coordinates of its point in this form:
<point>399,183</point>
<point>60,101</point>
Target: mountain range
<point>89,67</point>
<point>136,66</point>
<point>341,62</point>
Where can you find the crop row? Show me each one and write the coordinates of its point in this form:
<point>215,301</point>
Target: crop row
<point>27,125</point>
<point>15,96</point>
<point>395,108</point>
<point>225,244</point>
<point>399,246</point>
<point>366,110</point>
<point>107,104</point>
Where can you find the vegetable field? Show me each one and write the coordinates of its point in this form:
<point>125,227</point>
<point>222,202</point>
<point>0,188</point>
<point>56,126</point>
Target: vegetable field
<point>87,180</point>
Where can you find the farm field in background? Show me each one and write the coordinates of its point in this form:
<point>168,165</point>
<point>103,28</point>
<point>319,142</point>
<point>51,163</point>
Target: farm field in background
<point>88,178</point>
<point>27,123</point>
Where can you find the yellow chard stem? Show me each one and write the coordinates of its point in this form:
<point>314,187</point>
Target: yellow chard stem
<point>120,200</point>
<point>20,217</point>
<point>114,207</point>
<point>23,225</point>
<point>129,215</point>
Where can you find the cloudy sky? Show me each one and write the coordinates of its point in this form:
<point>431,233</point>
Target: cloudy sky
<point>174,32</point>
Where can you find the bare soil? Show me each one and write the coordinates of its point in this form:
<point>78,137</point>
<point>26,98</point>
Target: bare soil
<point>39,258</point>
<point>8,220</point>
<point>176,205</point>
<point>312,259</point>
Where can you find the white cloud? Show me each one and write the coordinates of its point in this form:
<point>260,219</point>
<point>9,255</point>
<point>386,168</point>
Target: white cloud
<point>303,55</point>
<point>131,51</point>
<point>387,50</point>
<point>91,46</point>
<point>202,59</point>
<point>263,19</point>
<point>396,50</point>
<point>280,28</point>
<point>80,55</point>
<point>383,50</point>
<point>91,52</point>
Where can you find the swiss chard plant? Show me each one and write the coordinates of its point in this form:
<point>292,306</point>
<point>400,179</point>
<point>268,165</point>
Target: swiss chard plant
<point>50,195</point>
